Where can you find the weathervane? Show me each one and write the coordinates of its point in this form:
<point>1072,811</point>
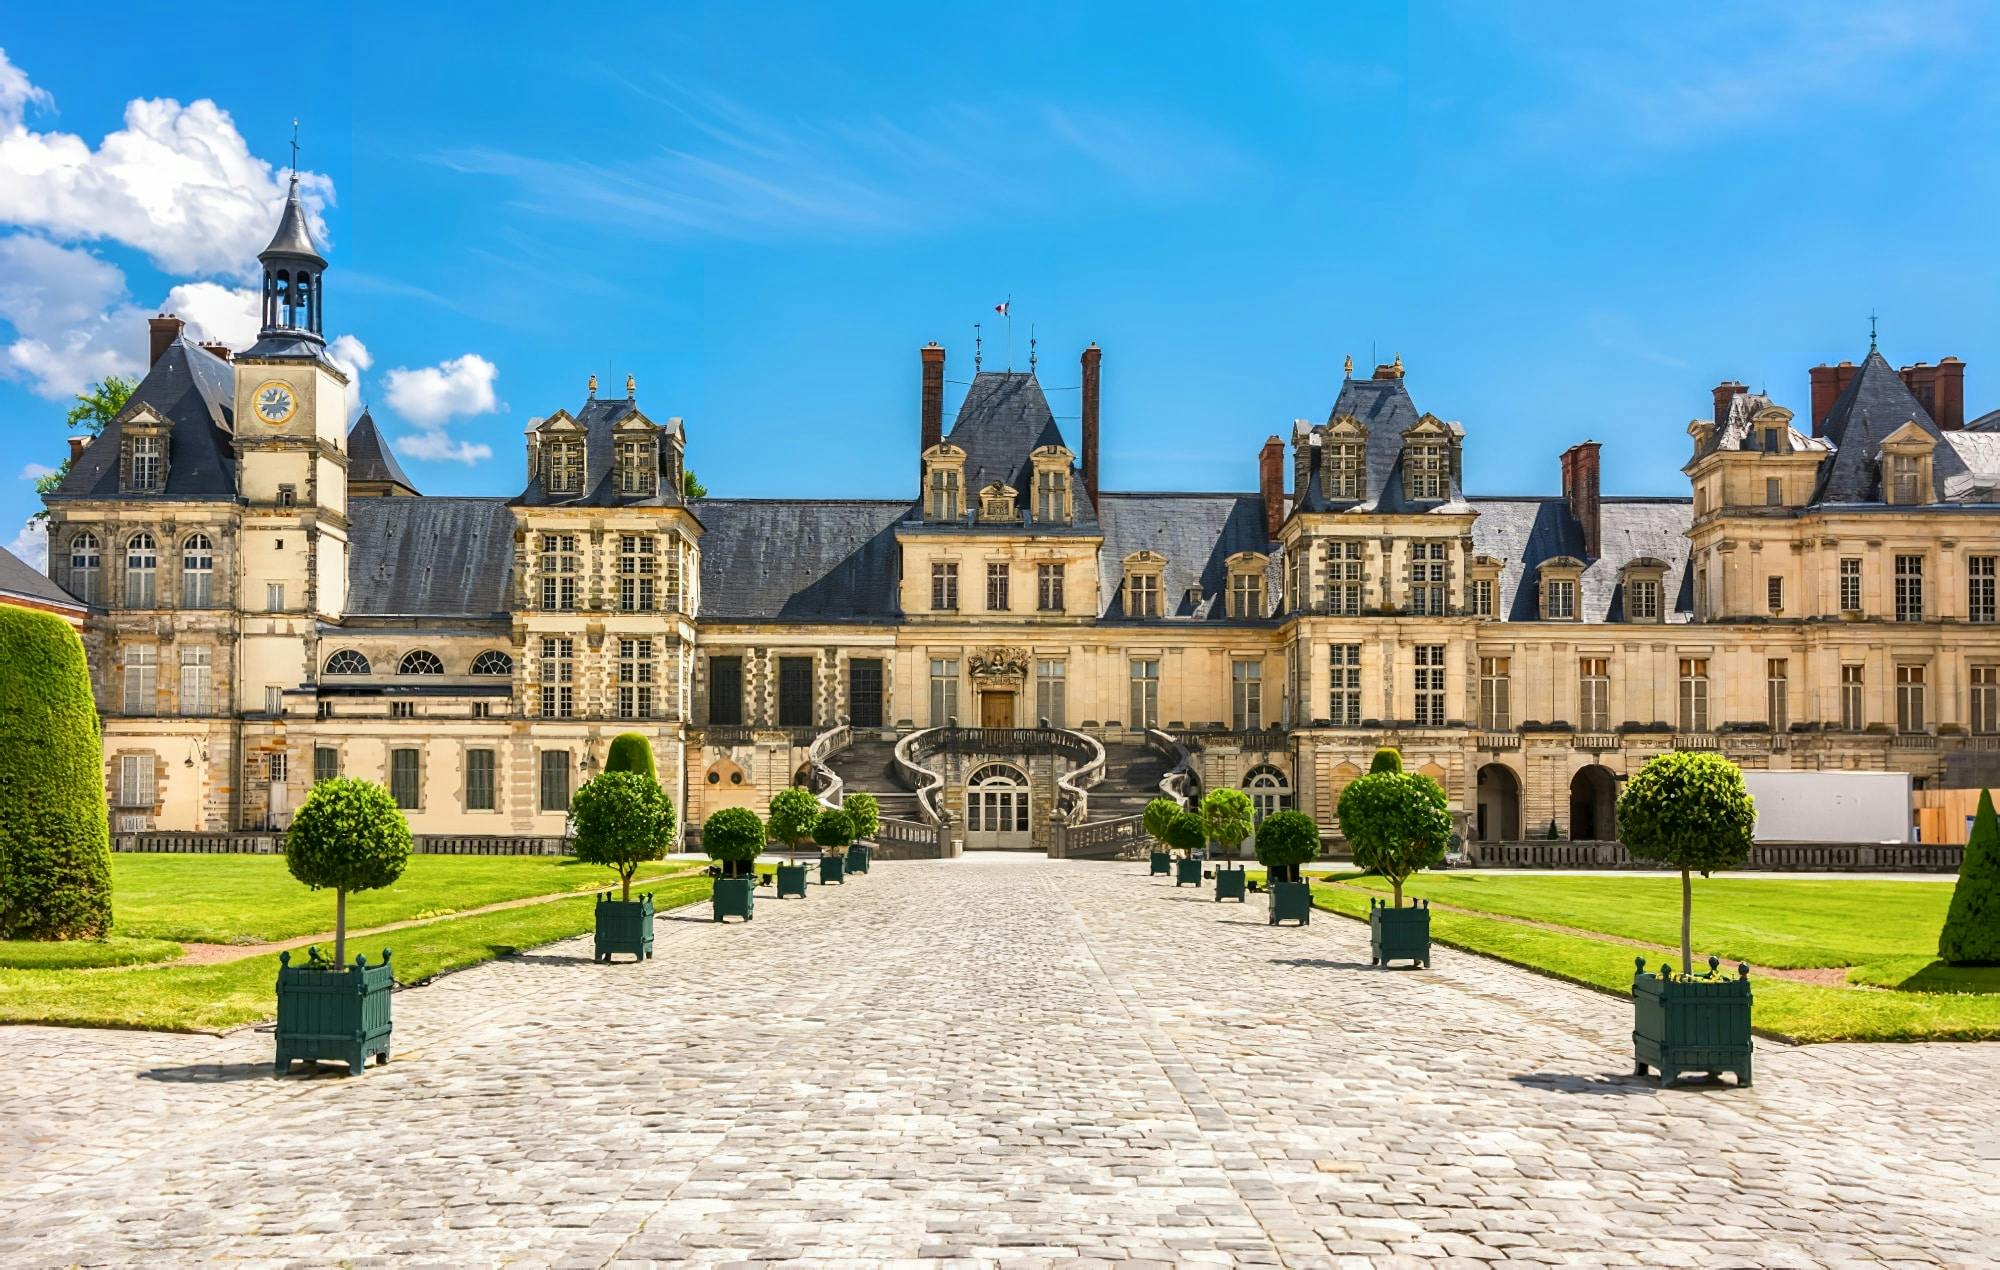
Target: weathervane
<point>1871,330</point>
<point>295,149</point>
<point>977,339</point>
<point>1031,348</point>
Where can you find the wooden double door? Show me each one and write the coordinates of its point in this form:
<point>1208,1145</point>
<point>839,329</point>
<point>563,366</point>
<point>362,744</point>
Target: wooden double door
<point>996,709</point>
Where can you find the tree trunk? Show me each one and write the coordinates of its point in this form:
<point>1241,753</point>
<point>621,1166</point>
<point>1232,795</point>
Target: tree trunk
<point>1687,915</point>
<point>339,927</point>
<point>1397,883</point>
<point>625,876</point>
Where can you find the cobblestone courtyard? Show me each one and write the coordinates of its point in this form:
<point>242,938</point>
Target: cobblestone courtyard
<point>993,1059</point>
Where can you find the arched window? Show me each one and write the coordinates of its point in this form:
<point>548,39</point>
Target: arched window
<point>996,807</point>
<point>86,564</point>
<point>493,662</point>
<point>142,563</point>
<point>1268,790</point>
<point>421,662</point>
<point>197,572</point>
<point>347,662</point>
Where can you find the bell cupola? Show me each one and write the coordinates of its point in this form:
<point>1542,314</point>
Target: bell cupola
<point>292,271</point>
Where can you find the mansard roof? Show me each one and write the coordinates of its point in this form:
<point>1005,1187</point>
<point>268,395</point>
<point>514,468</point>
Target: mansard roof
<point>434,556</point>
<point>1875,404</point>
<point>1524,533</point>
<point>1003,420</point>
<point>792,560</point>
<point>1197,533</point>
<point>1383,407</point>
<point>194,391</point>
<point>21,580</point>
<point>600,418</point>
<point>369,458</point>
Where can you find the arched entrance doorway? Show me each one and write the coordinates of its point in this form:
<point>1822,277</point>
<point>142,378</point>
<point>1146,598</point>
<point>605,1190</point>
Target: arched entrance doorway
<point>1268,789</point>
<point>1593,804</point>
<point>1499,804</point>
<point>996,809</point>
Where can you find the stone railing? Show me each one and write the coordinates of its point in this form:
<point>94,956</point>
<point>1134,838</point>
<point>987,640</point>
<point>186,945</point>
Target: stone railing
<point>1121,839</point>
<point>1495,742</point>
<point>1773,857</point>
<point>1085,753</point>
<point>908,840</point>
<point>1181,783</point>
<point>1073,787</point>
<point>824,782</point>
<point>910,754</point>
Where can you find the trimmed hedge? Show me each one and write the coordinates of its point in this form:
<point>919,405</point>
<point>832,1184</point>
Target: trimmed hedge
<point>623,819</point>
<point>632,752</point>
<point>55,830</point>
<point>1971,934</point>
<point>793,812</point>
<point>833,829</point>
<point>733,837</point>
<point>865,812</point>
<point>1286,840</point>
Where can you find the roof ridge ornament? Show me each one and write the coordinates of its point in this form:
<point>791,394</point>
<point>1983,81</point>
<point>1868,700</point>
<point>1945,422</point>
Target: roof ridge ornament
<point>593,385</point>
<point>1347,370</point>
<point>631,387</point>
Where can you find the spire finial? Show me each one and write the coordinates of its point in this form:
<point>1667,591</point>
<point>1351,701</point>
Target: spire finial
<point>295,153</point>
<point>593,385</point>
<point>1871,330</point>
<point>1399,365</point>
<point>977,341</point>
<point>631,386</point>
<point>1347,368</point>
<point>1031,348</point>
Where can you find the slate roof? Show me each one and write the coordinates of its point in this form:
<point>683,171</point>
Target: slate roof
<point>22,580</point>
<point>1988,422</point>
<point>432,557</point>
<point>1524,532</point>
<point>195,391</point>
<point>1003,419</point>
<point>786,560</point>
<point>1980,454</point>
<point>1876,403</point>
<point>369,458</point>
<point>1739,430</point>
<point>599,416</point>
<point>294,236</point>
<point>1383,407</point>
<point>1197,533</point>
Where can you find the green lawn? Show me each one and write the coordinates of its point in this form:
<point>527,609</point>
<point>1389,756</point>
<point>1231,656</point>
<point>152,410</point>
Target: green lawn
<point>228,994</point>
<point>115,950</point>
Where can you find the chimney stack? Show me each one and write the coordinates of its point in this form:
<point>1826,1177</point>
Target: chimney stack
<point>1940,390</point>
<point>220,349</point>
<point>1579,468</point>
<point>1091,357</point>
<point>1828,382</point>
<point>1271,484</point>
<point>76,447</point>
<point>165,330</point>
<point>1725,392</point>
<point>933,427</point>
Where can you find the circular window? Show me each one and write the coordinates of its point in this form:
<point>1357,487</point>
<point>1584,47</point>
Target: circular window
<point>715,778</point>
<point>736,778</point>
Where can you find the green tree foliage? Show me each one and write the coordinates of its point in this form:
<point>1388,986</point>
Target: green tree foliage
<point>733,837</point>
<point>632,752</point>
<point>1185,832</point>
<point>55,834</point>
<point>1159,814</point>
<point>1386,760</point>
<point>1971,935</point>
<point>793,811</point>
<point>1688,809</point>
<point>865,812</point>
<point>833,829</point>
<point>623,819</point>
<point>349,836</point>
<point>691,486</point>
<point>1396,824</point>
<point>1227,817</point>
<point>1286,840</point>
<point>93,411</point>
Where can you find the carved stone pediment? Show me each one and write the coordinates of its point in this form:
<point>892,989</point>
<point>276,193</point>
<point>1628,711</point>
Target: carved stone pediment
<point>1000,667</point>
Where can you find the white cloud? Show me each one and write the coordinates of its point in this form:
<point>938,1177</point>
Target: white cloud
<point>439,447</point>
<point>69,312</point>
<point>215,313</point>
<point>32,543</point>
<point>36,471</point>
<point>177,182</point>
<point>352,356</point>
<point>431,396</point>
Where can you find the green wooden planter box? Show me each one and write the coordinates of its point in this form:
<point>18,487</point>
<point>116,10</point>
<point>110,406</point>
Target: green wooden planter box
<point>791,880</point>
<point>333,1012</point>
<point>625,926</point>
<point>1162,865</point>
<point>1691,1025</point>
<point>1187,873</point>
<point>1399,934</point>
<point>735,897</point>
<point>1291,902</point>
<point>1229,885</point>
<point>833,868</point>
<point>858,858</point>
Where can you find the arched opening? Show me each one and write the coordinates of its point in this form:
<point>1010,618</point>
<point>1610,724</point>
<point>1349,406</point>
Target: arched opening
<point>996,809</point>
<point>1499,804</point>
<point>1268,789</point>
<point>1593,804</point>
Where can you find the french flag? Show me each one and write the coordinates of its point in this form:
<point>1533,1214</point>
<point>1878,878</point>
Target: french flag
<point>1002,307</point>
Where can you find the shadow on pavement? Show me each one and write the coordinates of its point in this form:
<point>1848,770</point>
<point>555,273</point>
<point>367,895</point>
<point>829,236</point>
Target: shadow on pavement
<point>216,1073</point>
<point>1315,963</point>
<point>1617,1084</point>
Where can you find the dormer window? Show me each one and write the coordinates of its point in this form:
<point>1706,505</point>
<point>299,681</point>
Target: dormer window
<point>146,463</point>
<point>565,467</point>
<point>1562,582</point>
<point>1482,586</point>
<point>944,483</point>
<point>142,454</point>
<point>1427,461</point>
<point>637,472</point>
<point>997,503</point>
<point>1904,471</point>
<point>1052,504</point>
<point>1142,583</point>
<point>1246,585</point>
<point>1344,455</point>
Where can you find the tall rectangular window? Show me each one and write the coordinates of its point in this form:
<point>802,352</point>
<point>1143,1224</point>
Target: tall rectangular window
<point>1052,496</point>
<point>1142,595</point>
<point>1774,593</point>
<point>1777,693</point>
<point>1642,600</point>
<point>274,596</point>
<point>197,672</point>
<point>1561,599</point>
<point>1343,577</point>
<point>637,472</point>
<point>1343,471</point>
<point>558,675</point>
<point>197,572</point>
<point>1850,584</point>
<point>1910,714</point>
<point>1052,693</point>
<point>1344,705</point>
<point>638,572</point>
<point>1985,712</point>
<point>947,502</point>
<point>1145,693</point>
<point>1480,592</point>
<point>1979,573</point>
<point>142,563</point>
<point>1427,683</point>
<point>944,586</point>
<point>997,575</point>
<point>725,691</point>
<point>142,663</point>
<point>145,463</point>
<point>1853,704</point>
<point>864,692</point>
<point>555,780</point>
<point>274,700</point>
<point>1909,588</point>
<point>944,692</point>
<point>1774,492</point>
<point>795,692</point>
<point>479,780</point>
<point>137,785</point>
<point>1694,694</point>
<point>1246,594</point>
<point>635,678</point>
<point>1429,577</point>
<point>559,568</point>
<point>406,778</point>
<point>1903,479</point>
<point>326,763</point>
<point>1496,712</point>
<point>1593,694</point>
<point>1049,588</point>
<point>1246,690</point>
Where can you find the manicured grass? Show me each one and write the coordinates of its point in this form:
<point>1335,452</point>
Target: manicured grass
<point>1798,1011</point>
<point>116,950</point>
<point>229,994</point>
<point>251,899</point>
<point>1926,974</point>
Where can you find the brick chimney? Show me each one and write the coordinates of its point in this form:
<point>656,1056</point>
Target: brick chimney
<point>1828,382</point>
<point>1579,467</point>
<point>1271,484</point>
<point>165,330</point>
<point>1939,389</point>
<point>1091,357</point>
<point>220,349</point>
<point>76,447</point>
<point>1725,392</point>
<point>933,410</point>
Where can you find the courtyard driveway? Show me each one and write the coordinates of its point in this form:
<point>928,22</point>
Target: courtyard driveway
<point>993,1059</point>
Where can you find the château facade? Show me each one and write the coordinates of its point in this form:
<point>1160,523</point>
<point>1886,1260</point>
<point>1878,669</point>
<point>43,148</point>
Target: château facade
<point>271,600</point>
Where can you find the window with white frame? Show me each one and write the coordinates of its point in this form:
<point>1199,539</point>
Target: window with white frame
<point>1430,577</point>
<point>1344,701</point>
<point>998,577</point>
<point>1427,684</point>
<point>635,678</point>
<point>1145,702</point>
<point>86,567</point>
<point>565,464</point>
<point>142,668</point>
<point>142,563</point>
<point>1910,700</point>
<point>1853,702</point>
<point>1593,694</point>
<point>637,472</point>
<point>138,781</point>
<point>1268,790</point>
<point>1052,692</point>
<point>944,586</point>
<point>1479,594</point>
<point>1246,593</point>
<point>146,455</point>
<point>1426,469</point>
<point>946,495</point>
<point>1979,576</point>
<point>1142,593</point>
<point>1342,472</point>
<point>1642,600</point>
<point>1850,584</point>
<point>944,691</point>
<point>1246,684</point>
<point>274,699</point>
<point>1343,577</point>
<point>559,567</point>
<point>1049,587</point>
<point>197,571</point>
<point>197,671</point>
<point>1909,588</point>
<point>1496,712</point>
<point>1694,694</point>
<point>274,597</point>
<point>558,677</point>
<point>638,572</point>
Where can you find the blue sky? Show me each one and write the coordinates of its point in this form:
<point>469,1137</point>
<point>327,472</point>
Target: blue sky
<point>1570,223</point>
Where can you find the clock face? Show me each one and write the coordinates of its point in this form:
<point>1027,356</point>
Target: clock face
<point>275,404</point>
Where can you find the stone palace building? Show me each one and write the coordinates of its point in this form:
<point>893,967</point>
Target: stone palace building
<point>271,600</point>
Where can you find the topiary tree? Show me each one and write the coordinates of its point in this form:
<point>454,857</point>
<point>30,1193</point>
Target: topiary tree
<point>1159,814</point>
<point>1227,817</point>
<point>865,812</point>
<point>1688,809</point>
<point>623,819</point>
<point>1286,840</point>
<point>55,833</point>
<point>1396,824</point>
<point>733,837</point>
<point>1971,934</point>
<point>632,752</point>
<point>349,836</point>
<point>1387,759</point>
<point>793,811</point>
<point>833,830</point>
<point>1185,832</point>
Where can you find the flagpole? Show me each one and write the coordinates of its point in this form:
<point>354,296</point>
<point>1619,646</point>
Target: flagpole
<point>1010,331</point>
